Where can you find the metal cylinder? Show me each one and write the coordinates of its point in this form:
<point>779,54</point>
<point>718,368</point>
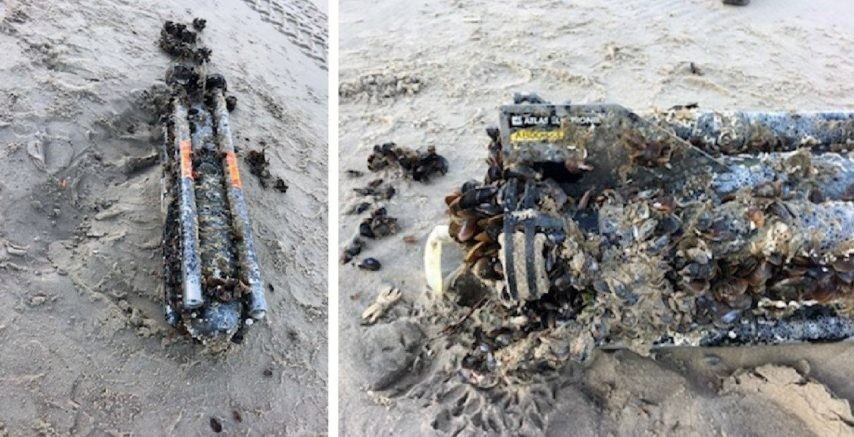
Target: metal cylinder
<point>216,243</point>
<point>190,262</point>
<point>745,132</point>
<point>830,174</point>
<point>250,273</point>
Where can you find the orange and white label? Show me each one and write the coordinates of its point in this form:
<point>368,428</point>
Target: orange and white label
<point>233,172</point>
<point>186,149</point>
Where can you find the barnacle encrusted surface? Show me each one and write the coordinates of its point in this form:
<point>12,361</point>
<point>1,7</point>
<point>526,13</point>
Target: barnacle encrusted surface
<point>670,245</point>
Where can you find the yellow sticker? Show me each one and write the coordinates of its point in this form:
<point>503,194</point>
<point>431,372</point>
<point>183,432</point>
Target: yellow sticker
<point>530,135</point>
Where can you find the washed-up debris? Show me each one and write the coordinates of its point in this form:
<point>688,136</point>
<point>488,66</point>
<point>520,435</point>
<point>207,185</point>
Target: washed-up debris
<point>212,281</point>
<point>35,150</point>
<point>358,208</point>
<point>594,226</point>
<point>378,225</point>
<point>723,133</point>
<point>180,41</point>
<point>370,264</point>
<point>259,166</point>
<point>420,166</point>
<point>377,189</point>
<point>134,164</point>
<point>231,103</point>
<point>694,69</point>
<point>215,424</point>
<point>353,249</point>
<point>199,24</point>
<point>280,185</point>
<point>385,300</point>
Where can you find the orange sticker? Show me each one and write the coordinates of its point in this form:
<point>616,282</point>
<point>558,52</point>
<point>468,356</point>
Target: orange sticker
<point>233,172</point>
<point>186,163</point>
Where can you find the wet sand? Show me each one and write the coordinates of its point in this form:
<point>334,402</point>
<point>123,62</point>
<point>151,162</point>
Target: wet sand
<point>85,349</point>
<point>435,74</point>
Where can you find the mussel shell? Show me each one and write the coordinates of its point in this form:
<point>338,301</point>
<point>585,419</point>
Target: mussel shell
<point>467,230</point>
<point>469,185</point>
<point>760,275</point>
<point>730,290</point>
<point>365,230</point>
<point>352,249</point>
<point>494,173</point>
<point>700,271</point>
<point>488,209</point>
<point>668,225</point>
<point>484,236</point>
<point>479,250</point>
<point>697,286</point>
<point>476,196</point>
<point>450,198</point>
<point>370,264</point>
<point>845,265</point>
<point>483,268</point>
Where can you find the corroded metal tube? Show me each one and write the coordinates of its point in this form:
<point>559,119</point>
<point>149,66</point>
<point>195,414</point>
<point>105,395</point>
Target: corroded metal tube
<point>733,217</point>
<point>170,243</point>
<point>823,328</point>
<point>745,132</point>
<point>211,278</point>
<point>250,274</point>
<point>190,262</point>
<point>217,248</point>
<point>831,174</point>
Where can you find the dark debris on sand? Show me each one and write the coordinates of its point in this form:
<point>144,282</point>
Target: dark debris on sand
<point>370,264</point>
<point>418,165</point>
<point>378,225</point>
<point>352,250</point>
<point>259,166</point>
<point>179,41</point>
<point>377,189</point>
<point>280,185</point>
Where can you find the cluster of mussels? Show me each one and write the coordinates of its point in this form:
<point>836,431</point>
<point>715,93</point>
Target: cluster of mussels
<point>259,166</point>
<point>477,217</point>
<point>179,41</point>
<point>376,189</point>
<point>420,166</point>
<point>643,267</point>
<point>378,225</point>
